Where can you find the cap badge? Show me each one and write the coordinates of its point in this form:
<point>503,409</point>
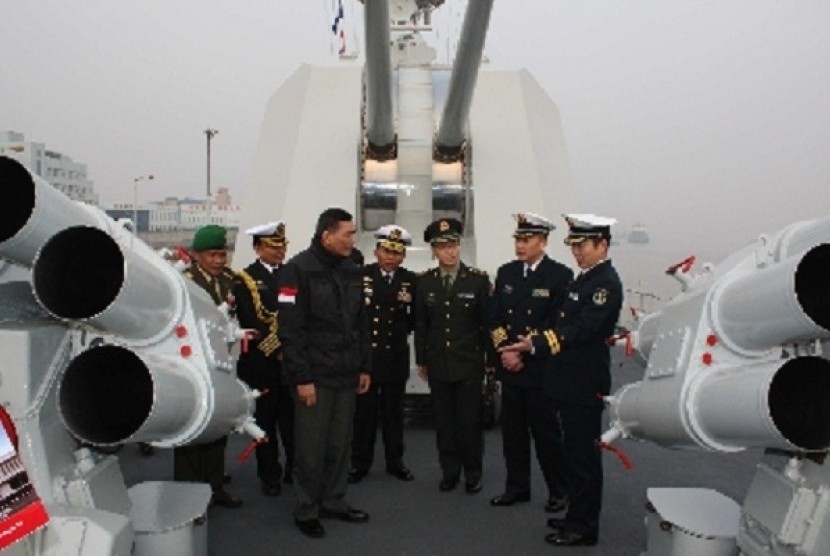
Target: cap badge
<point>444,226</point>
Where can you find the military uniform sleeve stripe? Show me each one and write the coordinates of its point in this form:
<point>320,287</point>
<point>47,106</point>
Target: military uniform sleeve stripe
<point>553,341</point>
<point>499,336</point>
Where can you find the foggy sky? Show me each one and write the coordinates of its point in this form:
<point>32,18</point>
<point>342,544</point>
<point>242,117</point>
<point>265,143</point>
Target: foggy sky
<point>709,121</point>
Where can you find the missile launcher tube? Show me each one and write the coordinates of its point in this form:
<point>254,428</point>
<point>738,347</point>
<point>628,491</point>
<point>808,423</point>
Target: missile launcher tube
<point>128,292</point>
<point>33,211</point>
<point>783,303</point>
<point>782,405</point>
<point>110,395</point>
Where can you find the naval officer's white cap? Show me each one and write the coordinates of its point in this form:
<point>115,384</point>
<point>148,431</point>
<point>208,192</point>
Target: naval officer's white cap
<point>393,237</point>
<point>528,223</point>
<point>272,233</point>
<point>584,226</point>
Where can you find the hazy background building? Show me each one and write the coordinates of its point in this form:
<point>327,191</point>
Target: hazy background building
<point>62,172</point>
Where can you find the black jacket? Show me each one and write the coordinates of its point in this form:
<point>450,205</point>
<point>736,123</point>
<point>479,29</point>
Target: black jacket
<point>521,305</point>
<point>255,367</point>
<point>579,369</point>
<point>323,325</point>
<point>451,336</point>
<point>391,313</point>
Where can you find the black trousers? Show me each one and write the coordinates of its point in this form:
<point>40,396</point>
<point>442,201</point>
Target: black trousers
<point>581,429</point>
<point>323,435</point>
<point>201,463</point>
<point>275,410</point>
<point>457,407</point>
<point>382,402</point>
<point>526,413</point>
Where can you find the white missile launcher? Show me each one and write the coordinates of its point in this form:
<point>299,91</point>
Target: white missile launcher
<point>103,343</point>
<point>740,359</point>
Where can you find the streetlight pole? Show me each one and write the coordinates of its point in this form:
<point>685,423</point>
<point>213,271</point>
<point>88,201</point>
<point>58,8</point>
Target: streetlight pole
<point>135,200</point>
<point>210,133</point>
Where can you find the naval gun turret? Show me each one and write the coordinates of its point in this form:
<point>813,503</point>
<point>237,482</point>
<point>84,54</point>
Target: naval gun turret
<point>111,345</point>
<point>740,359</point>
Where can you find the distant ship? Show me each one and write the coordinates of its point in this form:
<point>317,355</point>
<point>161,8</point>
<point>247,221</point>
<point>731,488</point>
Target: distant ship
<point>638,234</point>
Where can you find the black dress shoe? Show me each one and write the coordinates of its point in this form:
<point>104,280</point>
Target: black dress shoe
<point>556,523</point>
<point>447,485</point>
<point>355,476</point>
<point>226,479</point>
<point>401,472</point>
<point>310,527</point>
<point>473,487</point>
<point>567,538</point>
<point>226,500</point>
<point>508,499</point>
<point>350,515</point>
<point>556,505</point>
<point>271,489</point>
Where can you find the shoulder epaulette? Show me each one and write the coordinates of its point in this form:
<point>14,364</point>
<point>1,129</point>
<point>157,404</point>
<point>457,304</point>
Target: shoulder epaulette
<point>478,271</point>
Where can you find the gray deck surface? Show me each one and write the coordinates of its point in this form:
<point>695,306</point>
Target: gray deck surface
<point>415,518</point>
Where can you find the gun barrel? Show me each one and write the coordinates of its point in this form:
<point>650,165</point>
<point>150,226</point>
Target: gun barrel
<point>110,395</point>
<point>33,211</point>
<point>380,131</point>
<point>114,289</point>
<point>464,74</point>
<point>785,302</point>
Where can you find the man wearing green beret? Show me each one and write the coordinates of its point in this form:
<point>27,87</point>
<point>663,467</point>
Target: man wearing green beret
<point>205,463</point>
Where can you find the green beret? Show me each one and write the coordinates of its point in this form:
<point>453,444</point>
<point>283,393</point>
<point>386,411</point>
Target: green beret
<point>210,237</point>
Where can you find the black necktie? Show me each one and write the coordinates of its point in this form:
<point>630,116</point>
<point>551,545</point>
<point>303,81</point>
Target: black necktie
<point>447,282</point>
<point>388,277</point>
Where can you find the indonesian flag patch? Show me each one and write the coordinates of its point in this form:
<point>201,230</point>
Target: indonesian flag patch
<point>287,294</point>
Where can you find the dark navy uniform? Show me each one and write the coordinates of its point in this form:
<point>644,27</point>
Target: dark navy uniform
<point>255,292</point>
<point>451,340</point>
<point>391,316</point>
<point>578,374</point>
<point>522,301</point>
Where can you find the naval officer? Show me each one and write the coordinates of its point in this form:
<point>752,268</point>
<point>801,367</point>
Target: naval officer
<point>389,290</point>
<point>260,365</point>
<point>527,294</point>
<point>579,372</point>
<point>451,343</point>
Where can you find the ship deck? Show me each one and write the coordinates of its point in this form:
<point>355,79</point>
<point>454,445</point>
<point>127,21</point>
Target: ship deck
<point>415,518</point>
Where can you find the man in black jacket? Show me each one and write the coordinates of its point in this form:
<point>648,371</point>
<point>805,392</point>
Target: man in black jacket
<point>388,289</point>
<point>326,356</point>
<point>259,365</point>
<point>527,293</point>
<point>579,372</point>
